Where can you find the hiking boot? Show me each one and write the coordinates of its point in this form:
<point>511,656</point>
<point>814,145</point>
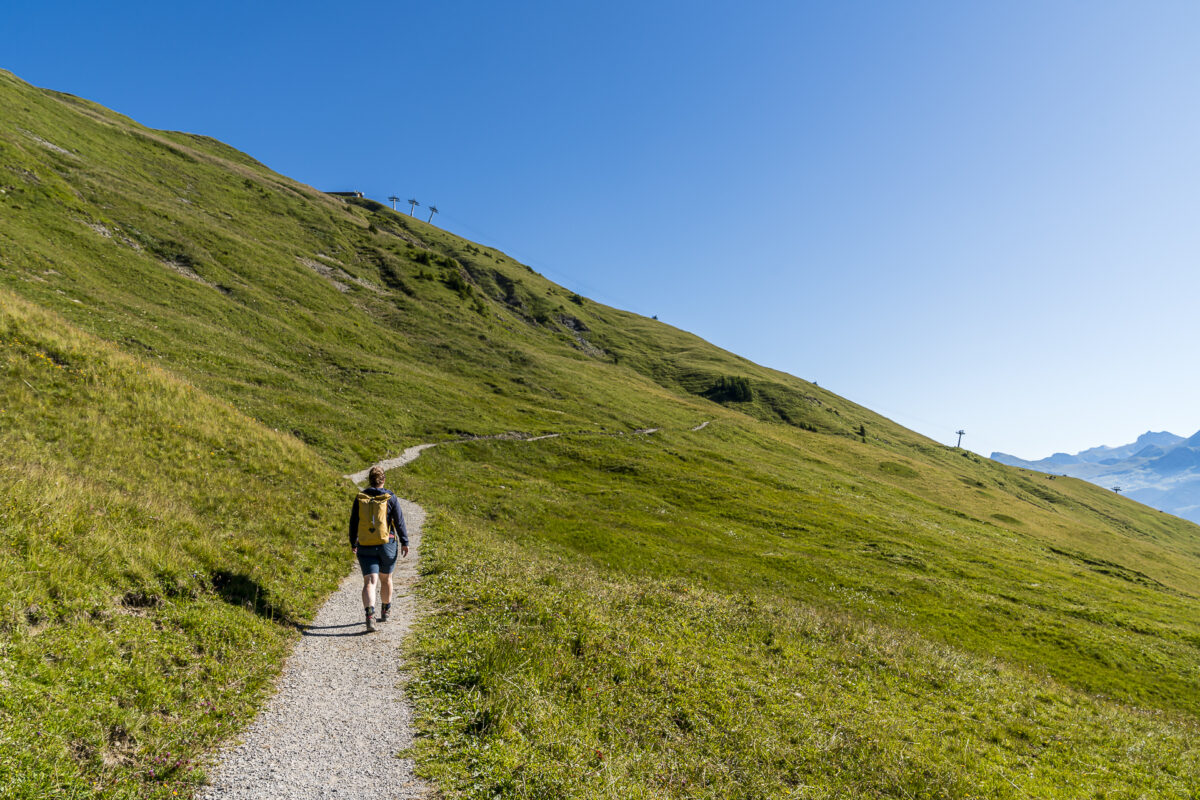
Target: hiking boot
<point>383,612</point>
<point>371,621</point>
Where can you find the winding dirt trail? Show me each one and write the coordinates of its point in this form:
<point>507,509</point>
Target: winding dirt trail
<point>340,715</point>
<point>409,455</point>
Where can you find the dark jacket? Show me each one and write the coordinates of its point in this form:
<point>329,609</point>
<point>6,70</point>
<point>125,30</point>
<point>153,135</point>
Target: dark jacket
<point>395,517</point>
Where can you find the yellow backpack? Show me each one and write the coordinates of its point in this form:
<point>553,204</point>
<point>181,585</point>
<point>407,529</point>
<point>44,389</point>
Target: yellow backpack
<point>372,518</point>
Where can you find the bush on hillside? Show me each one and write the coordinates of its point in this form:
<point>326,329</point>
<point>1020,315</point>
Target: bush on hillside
<point>730,389</point>
<point>454,281</point>
<point>541,310</point>
<point>173,251</point>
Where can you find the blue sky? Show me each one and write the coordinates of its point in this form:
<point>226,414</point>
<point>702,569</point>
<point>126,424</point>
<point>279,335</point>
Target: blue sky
<point>961,215</point>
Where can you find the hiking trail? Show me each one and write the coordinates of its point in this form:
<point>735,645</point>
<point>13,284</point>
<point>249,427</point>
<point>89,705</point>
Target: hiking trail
<point>339,714</point>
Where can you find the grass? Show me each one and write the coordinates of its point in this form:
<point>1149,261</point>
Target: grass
<point>802,599</point>
<point>143,611</point>
<point>550,681</point>
<point>611,625</point>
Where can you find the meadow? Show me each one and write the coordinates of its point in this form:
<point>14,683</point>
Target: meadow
<point>798,599</point>
<point>649,617</point>
<point>148,592</point>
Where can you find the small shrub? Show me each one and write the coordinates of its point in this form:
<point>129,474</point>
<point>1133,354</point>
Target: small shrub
<point>452,280</point>
<point>173,251</point>
<point>541,310</point>
<point>730,388</point>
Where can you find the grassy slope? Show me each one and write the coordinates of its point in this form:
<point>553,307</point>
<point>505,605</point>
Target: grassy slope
<point>144,608</point>
<point>719,631</point>
<point>894,616</point>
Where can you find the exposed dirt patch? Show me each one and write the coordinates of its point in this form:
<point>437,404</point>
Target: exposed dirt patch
<point>100,229</point>
<point>337,275</point>
<point>187,272</point>
<point>49,145</point>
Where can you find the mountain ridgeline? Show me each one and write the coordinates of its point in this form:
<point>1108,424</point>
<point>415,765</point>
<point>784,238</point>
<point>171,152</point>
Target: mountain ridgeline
<point>775,593</point>
<point>1159,469</point>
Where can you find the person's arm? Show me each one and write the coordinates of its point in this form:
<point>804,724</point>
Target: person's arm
<point>396,516</point>
<point>354,525</point>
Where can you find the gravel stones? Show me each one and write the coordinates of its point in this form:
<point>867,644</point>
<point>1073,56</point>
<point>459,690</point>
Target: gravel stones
<point>339,715</point>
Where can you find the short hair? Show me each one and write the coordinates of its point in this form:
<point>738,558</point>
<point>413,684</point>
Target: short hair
<point>375,476</point>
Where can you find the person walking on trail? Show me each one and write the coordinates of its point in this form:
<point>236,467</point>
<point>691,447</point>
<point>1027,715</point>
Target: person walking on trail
<point>376,523</point>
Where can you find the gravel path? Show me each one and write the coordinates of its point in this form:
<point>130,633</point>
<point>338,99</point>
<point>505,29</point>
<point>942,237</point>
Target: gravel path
<point>316,738</point>
<point>408,455</point>
<point>339,716</point>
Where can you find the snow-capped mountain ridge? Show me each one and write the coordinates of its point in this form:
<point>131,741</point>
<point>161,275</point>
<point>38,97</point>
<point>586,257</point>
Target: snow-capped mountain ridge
<point>1160,469</point>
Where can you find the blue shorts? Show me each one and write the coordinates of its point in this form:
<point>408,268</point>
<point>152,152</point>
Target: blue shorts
<point>378,558</point>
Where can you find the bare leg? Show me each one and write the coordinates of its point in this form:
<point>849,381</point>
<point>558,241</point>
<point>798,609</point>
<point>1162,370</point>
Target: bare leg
<point>385,588</point>
<point>369,582</point>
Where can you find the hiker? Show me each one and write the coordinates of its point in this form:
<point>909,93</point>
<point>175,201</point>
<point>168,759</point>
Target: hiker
<point>375,523</point>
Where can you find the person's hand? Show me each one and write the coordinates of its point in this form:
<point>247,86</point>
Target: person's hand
<point>404,550</point>
<point>354,550</point>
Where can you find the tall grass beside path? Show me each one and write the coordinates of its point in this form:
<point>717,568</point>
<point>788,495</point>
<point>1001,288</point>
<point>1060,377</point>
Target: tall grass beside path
<point>156,549</point>
<point>701,615</point>
<point>542,680</point>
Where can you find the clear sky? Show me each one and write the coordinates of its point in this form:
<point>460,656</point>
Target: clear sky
<point>961,215</point>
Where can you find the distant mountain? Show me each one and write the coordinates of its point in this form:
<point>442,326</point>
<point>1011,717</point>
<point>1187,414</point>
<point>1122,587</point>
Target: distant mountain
<point>1162,439</point>
<point>1159,469</point>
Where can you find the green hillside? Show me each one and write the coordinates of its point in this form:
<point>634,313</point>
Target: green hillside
<point>147,589</point>
<point>798,599</point>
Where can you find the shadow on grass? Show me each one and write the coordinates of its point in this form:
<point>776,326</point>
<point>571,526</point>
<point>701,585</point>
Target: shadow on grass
<point>241,590</point>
